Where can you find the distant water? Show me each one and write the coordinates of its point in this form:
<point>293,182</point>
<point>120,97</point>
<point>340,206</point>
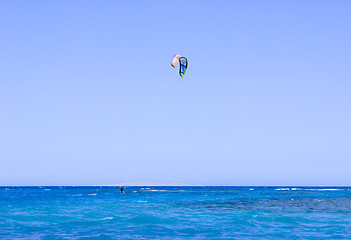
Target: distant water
<point>175,213</point>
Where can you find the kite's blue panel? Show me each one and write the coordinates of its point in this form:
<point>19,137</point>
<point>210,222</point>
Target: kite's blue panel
<point>183,62</point>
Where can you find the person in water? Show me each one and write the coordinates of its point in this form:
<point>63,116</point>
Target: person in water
<point>122,188</point>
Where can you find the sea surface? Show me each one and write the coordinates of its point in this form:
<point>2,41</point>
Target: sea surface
<point>175,213</point>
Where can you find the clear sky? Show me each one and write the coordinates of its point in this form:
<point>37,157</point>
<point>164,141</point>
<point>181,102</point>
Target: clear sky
<point>88,96</point>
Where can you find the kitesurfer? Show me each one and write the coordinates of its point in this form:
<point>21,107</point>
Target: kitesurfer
<point>122,189</point>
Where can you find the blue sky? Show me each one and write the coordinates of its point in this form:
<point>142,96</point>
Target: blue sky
<point>88,96</point>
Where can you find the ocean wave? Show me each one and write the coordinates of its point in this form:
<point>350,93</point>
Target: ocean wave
<point>308,189</point>
<point>106,218</point>
<point>288,189</point>
<point>324,189</point>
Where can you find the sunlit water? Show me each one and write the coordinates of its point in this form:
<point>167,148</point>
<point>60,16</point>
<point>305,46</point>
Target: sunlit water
<point>175,213</point>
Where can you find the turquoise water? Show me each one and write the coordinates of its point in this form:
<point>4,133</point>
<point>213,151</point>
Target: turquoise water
<point>175,213</point>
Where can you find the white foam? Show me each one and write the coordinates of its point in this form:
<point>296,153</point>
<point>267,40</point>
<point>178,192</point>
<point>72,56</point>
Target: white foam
<point>324,189</point>
<point>92,194</point>
<point>141,201</point>
<point>106,218</point>
<point>251,189</point>
<point>308,189</point>
<point>158,190</point>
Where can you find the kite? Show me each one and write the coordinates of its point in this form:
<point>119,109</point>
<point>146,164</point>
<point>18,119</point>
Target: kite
<point>183,63</point>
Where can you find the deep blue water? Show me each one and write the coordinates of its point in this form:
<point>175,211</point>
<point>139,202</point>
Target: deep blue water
<point>175,213</point>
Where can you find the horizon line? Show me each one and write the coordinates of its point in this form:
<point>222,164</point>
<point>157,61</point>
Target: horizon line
<point>170,185</point>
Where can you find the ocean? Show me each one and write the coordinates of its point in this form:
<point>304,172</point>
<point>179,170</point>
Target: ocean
<point>175,213</point>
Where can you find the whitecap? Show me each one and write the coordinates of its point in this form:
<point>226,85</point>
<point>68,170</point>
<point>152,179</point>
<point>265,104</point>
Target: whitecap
<point>324,189</point>
<point>106,218</point>
<point>92,194</point>
<point>141,201</point>
<point>282,189</point>
<point>75,195</point>
<point>251,189</point>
